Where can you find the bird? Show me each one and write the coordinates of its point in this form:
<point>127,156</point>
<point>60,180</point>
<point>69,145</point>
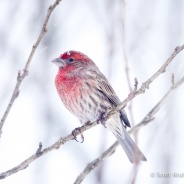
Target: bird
<point>87,94</point>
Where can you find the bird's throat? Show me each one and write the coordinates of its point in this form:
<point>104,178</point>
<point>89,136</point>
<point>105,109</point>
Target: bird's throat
<point>68,85</point>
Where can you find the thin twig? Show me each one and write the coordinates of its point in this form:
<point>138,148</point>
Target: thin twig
<point>148,118</point>
<point>133,90</point>
<point>87,126</point>
<point>39,148</point>
<point>146,84</point>
<point>95,163</point>
<point>173,80</point>
<point>20,77</point>
<point>54,146</point>
<point>130,107</point>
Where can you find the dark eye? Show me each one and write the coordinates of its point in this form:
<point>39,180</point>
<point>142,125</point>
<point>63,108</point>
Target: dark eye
<point>71,60</point>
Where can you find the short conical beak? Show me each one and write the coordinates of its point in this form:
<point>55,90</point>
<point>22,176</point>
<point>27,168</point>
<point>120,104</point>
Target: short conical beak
<point>59,62</point>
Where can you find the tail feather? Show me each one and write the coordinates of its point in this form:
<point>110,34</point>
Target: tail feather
<point>131,149</point>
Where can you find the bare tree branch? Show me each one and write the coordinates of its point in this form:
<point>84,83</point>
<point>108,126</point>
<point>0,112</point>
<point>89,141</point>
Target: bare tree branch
<point>148,118</point>
<point>146,84</point>
<point>40,153</point>
<point>89,125</point>
<point>20,77</point>
<point>127,69</point>
<point>95,163</point>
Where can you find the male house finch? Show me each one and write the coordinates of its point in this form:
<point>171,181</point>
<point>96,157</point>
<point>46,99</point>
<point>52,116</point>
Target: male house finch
<point>86,92</point>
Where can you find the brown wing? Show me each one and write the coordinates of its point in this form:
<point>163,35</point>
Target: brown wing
<point>104,86</point>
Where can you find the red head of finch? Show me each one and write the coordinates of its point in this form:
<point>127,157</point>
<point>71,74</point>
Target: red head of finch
<point>86,93</point>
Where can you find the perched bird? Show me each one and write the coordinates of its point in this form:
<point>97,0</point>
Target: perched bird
<point>86,93</point>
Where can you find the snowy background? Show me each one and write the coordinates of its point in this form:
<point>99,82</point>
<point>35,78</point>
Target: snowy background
<point>143,33</point>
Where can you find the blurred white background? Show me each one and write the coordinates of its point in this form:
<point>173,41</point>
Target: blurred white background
<point>112,33</point>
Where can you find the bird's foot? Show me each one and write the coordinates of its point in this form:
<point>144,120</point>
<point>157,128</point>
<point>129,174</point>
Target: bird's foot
<point>77,131</point>
<point>102,119</point>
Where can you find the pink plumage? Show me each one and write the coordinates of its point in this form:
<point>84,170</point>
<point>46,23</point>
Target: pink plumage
<point>86,93</point>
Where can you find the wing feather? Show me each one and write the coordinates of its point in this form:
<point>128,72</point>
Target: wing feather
<point>103,85</point>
